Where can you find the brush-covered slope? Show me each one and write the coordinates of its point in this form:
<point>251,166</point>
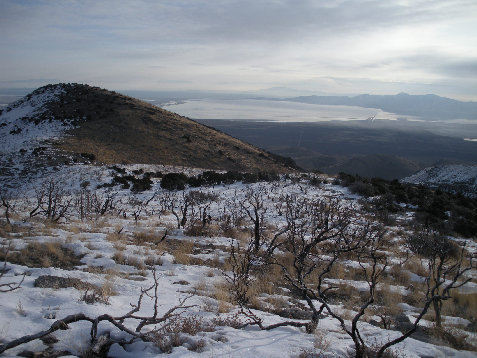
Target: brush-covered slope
<point>455,178</point>
<point>120,129</point>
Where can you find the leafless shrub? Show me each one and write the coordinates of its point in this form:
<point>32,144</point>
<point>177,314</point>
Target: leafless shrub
<point>138,206</point>
<point>253,206</point>
<point>52,201</point>
<point>446,264</point>
<point>234,320</point>
<point>7,203</point>
<point>93,204</point>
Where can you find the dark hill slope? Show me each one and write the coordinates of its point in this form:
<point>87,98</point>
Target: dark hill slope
<point>120,129</point>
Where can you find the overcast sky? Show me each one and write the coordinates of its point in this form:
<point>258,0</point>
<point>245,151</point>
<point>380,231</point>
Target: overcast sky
<point>331,46</point>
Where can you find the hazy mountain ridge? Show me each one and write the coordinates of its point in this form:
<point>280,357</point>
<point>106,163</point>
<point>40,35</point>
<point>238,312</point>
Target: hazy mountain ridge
<point>454,178</point>
<point>428,106</point>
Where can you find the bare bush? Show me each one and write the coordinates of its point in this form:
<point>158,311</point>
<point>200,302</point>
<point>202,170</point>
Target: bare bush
<point>93,204</point>
<point>52,201</point>
<point>445,263</point>
<point>7,202</point>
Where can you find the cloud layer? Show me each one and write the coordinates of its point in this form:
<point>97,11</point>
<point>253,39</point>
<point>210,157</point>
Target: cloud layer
<point>337,46</point>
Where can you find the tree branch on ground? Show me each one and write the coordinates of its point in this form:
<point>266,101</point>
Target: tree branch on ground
<point>119,322</point>
<point>8,286</point>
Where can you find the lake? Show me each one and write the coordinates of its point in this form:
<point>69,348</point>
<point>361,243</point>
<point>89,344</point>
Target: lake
<point>277,111</point>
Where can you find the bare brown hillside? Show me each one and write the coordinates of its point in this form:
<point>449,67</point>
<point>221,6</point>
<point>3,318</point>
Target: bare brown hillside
<point>120,129</point>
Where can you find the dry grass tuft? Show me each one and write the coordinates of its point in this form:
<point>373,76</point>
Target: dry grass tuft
<point>462,305</point>
<point>221,293</point>
<point>44,254</point>
<point>152,260</point>
<point>147,238</point>
<point>130,260</point>
<point>399,276</point>
<point>415,266</point>
<point>182,253</point>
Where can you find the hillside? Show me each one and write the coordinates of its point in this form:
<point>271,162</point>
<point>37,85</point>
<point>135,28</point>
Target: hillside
<point>113,128</point>
<point>144,274</point>
<point>454,178</point>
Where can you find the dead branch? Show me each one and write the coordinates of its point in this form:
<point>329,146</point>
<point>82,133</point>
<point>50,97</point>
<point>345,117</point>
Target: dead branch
<point>8,286</point>
<point>118,322</point>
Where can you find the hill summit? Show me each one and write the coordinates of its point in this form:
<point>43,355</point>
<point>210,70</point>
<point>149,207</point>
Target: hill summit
<point>113,128</point>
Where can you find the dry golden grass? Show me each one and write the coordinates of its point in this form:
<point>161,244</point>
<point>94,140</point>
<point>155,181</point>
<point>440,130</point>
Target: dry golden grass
<point>74,229</point>
<point>119,258</point>
<point>201,286</point>
<point>386,305</point>
<point>347,295</point>
<point>416,295</point>
<point>277,302</point>
<point>461,305</point>
<point>119,246</point>
<point>90,246</point>
<point>221,293</point>
<point>108,288</point>
<point>196,228</point>
<point>415,265</point>
<point>237,233</point>
<point>338,271</point>
<point>99,224</point>
<point>152,260</point>
<point>137,263</point>
<point>130,260</point>
<point>115,238</point>
<point>399,276</point>
<point>44,254</point>
<point>214,262</point>
<point>147,238</point>
<point>182,252</point>
<point>5,230</point>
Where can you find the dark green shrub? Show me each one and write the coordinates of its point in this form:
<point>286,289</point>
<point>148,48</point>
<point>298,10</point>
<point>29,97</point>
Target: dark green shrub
<point>174,181</point>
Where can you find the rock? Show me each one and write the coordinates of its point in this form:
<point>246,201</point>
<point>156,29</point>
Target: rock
<point>57,282</point>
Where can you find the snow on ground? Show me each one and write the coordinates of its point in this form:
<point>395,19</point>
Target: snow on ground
<point>102,241</point>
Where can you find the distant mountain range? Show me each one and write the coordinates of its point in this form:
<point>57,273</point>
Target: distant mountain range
<point>427,106</point>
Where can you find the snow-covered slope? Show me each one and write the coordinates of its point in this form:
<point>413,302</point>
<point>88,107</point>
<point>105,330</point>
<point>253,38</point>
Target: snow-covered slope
<point>19,130</point>
<point>455,178</point>
<point>112,259</point>
<point>27,129</point>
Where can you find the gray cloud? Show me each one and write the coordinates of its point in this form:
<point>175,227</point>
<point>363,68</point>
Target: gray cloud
<point>254,44</point>
<point>443,64</point>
